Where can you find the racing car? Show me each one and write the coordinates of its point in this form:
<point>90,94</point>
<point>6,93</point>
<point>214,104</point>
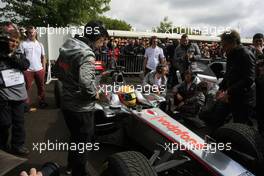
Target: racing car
<point>157,144</point>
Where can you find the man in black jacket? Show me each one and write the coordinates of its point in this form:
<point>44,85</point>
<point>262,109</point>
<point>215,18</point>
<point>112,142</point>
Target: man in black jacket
<point>12,89</point>
<point>129,50</point>
<point>238,87</point>
<point>257,47</point>
<point>260,96</point>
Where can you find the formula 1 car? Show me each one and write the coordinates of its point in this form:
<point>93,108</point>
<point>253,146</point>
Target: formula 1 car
<point>158,144</point>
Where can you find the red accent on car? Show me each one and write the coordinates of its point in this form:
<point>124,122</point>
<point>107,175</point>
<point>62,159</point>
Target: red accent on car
<point>151,112</point>
<point>99,66</point>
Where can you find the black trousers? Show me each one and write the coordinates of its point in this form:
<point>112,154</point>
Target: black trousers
<point>81,126</point>
<point>216,116</point>
<point>172,78</point>
<point>12,115</point>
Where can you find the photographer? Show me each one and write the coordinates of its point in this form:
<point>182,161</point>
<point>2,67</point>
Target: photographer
<point>185,53</point>
<point>12,89</point>
<point>76,71</point>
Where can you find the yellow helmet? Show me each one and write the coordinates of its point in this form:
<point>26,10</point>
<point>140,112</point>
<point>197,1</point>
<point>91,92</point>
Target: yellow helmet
<point>127,96</point>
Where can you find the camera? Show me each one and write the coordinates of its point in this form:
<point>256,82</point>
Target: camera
<point>50,169</point>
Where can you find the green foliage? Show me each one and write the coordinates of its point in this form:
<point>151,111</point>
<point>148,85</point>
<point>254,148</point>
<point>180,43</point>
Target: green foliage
<point>166,26</point>
<point>55,13</point>
<point>114,24</point>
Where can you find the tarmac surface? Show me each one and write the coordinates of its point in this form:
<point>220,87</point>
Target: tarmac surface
<point>48,124</point>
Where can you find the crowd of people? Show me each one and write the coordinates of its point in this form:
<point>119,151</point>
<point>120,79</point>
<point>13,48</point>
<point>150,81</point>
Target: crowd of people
<point>22,60</point>
<point>118,46</point>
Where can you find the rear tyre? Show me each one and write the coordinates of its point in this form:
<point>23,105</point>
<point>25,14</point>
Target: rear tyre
<point>244,140</point>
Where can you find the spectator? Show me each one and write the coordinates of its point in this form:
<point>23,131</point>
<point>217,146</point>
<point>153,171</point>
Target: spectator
<point>12,92</point>
<point>157,79</point>
<point>257,47</point>
<point>146,43</point>
<point>206,52</point>
<point>122,49</point>
<point>104,49</point>
<point>171,46</point>
<point>35,53</point>
<point>153,56</point>
<point>162,45</point>
<point>237,89</point>
<point>114,52</point>
<point>23,35</point>
<point>139,48</point>
<point>129,49</point>
<point>215,51</point>
<point>185,53</point>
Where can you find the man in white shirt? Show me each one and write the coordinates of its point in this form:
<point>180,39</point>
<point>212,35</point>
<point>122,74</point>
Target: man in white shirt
<point>153,56</point>
<point>35,53</point>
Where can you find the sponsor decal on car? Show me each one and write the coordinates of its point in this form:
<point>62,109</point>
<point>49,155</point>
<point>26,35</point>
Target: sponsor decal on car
<point>184,135</point>
<point>150,112</point>
<point>181,138</point>
<point>174,128</point>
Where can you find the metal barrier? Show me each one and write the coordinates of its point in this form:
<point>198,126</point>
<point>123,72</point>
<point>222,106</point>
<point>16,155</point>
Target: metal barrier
<point>133,64</point>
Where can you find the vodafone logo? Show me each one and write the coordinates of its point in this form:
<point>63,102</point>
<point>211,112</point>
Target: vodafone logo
<point>150,112</point>
<point>184,135</point>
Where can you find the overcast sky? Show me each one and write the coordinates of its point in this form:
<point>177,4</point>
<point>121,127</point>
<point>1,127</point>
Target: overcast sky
<point>247,15</point>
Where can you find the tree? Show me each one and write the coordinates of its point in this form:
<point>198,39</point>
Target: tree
<point>55,13</point>
<point>115,24</point>
<point>164,27</point>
